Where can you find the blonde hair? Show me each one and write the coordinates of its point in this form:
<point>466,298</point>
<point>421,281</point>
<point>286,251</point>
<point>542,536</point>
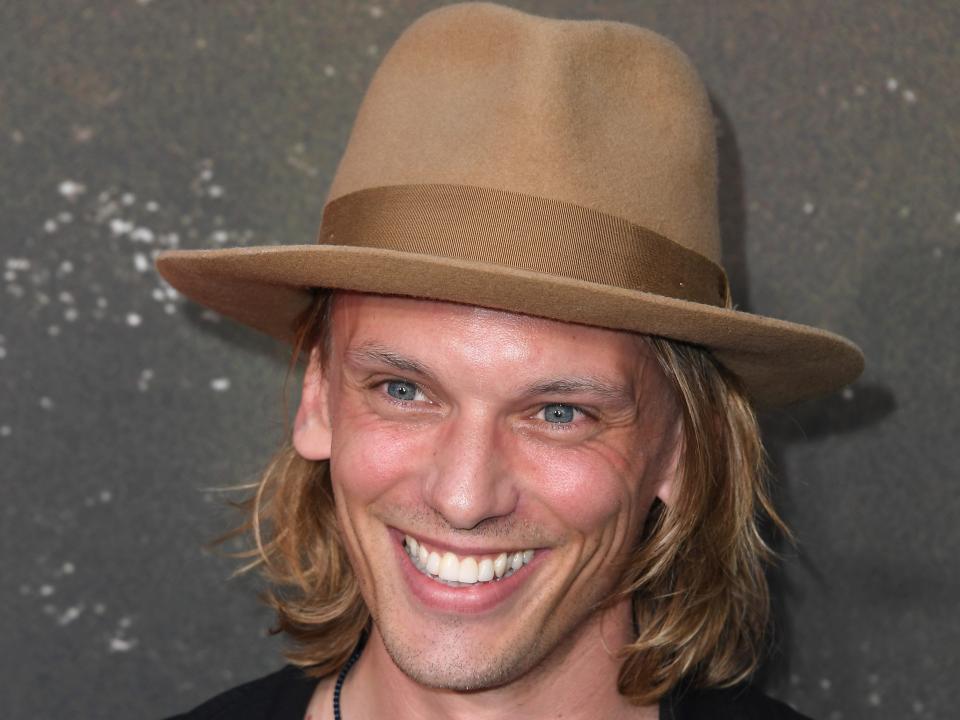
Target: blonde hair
<point>699,591</point>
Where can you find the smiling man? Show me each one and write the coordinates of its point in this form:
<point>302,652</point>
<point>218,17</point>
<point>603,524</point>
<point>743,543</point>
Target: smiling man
<point>525,477</point>
<point>497,470</point>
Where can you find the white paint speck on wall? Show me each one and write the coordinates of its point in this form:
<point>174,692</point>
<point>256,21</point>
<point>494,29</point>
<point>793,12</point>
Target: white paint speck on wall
<point>69,615</point>
<point>220,384</point>
<point>119,644</point>
<point>142,235</point>
<point>119,226</point>
<point>70,189</point>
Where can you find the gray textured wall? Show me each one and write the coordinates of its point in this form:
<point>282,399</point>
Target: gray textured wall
<point>130,126</point>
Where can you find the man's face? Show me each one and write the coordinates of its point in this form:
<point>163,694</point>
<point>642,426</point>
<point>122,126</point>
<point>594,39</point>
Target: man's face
<point>523,453</point>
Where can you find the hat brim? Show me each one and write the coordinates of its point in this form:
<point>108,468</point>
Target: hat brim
<point>267,287</point>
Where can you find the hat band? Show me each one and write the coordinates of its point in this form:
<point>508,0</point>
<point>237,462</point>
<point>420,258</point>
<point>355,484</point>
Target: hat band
<point>525,232</point>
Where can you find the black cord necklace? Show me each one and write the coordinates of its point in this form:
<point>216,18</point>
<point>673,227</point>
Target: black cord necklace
<point>343,676</point>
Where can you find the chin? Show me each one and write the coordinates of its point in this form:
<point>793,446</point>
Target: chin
<point>447,666</point>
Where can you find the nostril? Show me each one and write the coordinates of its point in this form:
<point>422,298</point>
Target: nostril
<point>469,479</point>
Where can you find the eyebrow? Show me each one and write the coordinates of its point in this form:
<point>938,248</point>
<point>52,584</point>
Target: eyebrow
<point>610,392</point>
<point>605,390</point>
<point>377,354</point>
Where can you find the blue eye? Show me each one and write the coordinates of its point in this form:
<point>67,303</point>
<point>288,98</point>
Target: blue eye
<point>401,390</point>
<point>558,413</point>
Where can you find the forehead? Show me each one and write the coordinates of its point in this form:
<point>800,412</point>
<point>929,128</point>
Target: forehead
<point>444,332</point>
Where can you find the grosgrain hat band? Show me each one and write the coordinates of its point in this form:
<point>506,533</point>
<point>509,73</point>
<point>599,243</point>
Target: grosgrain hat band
<point>466,222</point>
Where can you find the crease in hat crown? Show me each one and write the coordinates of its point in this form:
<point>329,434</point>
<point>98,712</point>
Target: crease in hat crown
<point>601,114</point>
<point>560,168</point>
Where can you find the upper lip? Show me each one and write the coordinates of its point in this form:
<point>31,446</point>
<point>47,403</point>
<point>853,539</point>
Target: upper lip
<point>460,549</point>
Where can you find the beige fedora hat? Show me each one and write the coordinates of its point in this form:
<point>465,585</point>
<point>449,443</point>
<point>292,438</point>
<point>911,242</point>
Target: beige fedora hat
<point>559,168</point>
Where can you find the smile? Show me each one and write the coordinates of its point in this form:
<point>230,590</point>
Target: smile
<point>451,569</point>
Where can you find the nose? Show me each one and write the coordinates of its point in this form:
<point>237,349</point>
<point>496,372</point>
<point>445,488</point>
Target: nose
<point>469,480</point>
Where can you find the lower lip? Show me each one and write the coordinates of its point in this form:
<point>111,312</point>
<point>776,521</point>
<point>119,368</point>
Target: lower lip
<point>468,599</point>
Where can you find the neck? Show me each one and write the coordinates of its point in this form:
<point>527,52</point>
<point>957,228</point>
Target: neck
<point>578,680</point>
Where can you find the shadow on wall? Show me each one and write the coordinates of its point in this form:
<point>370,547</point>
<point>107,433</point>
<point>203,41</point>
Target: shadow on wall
<point>235,335</point>
<point>808,421</point>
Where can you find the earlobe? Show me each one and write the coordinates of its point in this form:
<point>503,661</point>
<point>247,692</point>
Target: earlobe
<point>672,465</point>
<point>311,428</point>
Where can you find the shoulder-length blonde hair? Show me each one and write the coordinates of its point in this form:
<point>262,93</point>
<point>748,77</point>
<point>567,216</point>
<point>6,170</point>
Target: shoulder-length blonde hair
<point>698,585</point>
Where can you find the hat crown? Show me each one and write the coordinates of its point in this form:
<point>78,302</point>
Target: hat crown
<point>601,114</point>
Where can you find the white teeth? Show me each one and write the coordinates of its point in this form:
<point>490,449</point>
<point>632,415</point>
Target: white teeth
<point>485,570</point>
<point>500,565</point>
<point>468,571</point>
<point>449,567</point>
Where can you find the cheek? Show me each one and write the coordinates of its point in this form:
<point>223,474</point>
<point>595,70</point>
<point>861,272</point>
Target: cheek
<point>370,457</point>
<point>588,488</point>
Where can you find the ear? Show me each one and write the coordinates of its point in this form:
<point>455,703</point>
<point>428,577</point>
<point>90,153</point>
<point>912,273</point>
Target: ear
<point>671,464</point>
<point>311,428</point>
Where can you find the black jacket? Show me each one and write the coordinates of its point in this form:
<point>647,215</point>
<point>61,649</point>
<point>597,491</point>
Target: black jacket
<point>285,694</point>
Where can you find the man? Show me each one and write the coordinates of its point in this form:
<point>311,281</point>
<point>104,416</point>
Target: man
<point>525,475</point>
